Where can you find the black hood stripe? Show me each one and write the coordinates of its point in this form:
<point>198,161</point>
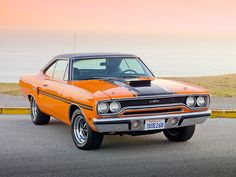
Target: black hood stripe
<point>150,90</point>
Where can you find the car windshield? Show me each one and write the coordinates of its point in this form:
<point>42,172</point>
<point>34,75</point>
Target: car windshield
<point>105,68</point>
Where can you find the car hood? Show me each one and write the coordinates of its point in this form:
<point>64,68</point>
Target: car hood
<point>115,89</point>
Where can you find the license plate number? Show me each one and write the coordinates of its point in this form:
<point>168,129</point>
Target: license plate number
<point>154,124</point>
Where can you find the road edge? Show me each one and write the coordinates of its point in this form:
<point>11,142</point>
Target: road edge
<point>15,110</point>
<point>25,110</point>
<point>224,114</point>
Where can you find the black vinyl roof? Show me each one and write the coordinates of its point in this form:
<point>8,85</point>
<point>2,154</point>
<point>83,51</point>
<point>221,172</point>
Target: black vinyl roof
<point>92,55</point>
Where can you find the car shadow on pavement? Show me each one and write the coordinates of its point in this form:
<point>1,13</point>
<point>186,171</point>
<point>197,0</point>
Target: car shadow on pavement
<point>157,141</point>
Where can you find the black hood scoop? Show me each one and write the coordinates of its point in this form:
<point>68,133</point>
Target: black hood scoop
<point>140,83</point>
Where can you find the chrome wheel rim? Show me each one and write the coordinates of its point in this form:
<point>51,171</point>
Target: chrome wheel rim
<point>34,110</point>
<point>80,130</point>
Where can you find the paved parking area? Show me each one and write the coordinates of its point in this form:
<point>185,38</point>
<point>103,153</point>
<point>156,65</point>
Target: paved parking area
<point>29,150</point>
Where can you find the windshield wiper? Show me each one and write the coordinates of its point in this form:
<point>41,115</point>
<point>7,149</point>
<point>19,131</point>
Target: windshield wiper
<point>114,78</point>
<point>131,76</point>
<point>99,78</point>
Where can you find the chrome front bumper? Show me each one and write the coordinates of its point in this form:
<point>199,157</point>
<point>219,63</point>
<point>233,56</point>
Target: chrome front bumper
<point>105,125</point>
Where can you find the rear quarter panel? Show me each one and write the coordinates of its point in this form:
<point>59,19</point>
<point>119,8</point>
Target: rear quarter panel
<point>29,85</point>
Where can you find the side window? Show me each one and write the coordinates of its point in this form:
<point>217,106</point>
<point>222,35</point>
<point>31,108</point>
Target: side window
<point>50,70</point>
<point>60,69</point>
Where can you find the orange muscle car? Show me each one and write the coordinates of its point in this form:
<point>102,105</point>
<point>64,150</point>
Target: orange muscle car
<point>102,94</point>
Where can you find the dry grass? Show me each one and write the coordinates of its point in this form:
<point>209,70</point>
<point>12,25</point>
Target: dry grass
<point>223,86</point>
<point>9,88</point>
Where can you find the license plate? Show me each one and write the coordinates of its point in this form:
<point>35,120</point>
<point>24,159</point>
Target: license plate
<point>154,124</point>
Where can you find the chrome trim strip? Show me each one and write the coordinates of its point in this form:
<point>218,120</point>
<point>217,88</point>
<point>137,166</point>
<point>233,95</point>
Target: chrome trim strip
<point>147,113</point>
<point>183,115</point>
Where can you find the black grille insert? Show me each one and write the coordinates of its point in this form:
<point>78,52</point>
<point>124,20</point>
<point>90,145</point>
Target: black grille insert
<point>153,101</point>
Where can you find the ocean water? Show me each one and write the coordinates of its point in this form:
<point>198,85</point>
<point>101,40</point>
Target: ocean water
<point>165,56</point>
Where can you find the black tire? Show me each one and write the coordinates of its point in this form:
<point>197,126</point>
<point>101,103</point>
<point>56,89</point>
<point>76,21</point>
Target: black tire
<point>180,134</point>
<point>38,117</point>
<point>83,136</point>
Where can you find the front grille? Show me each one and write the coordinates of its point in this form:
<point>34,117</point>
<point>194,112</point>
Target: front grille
<point>153,101</point>
<point>153,111</point>
<point>141,103</point>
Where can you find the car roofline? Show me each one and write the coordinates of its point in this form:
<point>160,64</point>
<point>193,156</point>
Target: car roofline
<point>93,55</point>
<point>71,57</point>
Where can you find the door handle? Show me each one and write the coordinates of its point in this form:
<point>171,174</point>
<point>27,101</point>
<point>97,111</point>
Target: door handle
<point>45,85</point>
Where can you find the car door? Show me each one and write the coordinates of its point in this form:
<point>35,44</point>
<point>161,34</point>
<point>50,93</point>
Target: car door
<point>45,88</point>
<point>55,82</point>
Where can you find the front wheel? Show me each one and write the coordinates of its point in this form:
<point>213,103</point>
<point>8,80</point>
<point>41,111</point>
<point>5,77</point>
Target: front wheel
<point>83,136</point>
<point>180,134</point>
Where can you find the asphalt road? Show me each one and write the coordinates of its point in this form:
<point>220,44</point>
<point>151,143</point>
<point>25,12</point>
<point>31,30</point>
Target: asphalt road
<point>41,151</point>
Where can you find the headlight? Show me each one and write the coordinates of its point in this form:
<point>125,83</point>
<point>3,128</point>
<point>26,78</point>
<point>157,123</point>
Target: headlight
<point>201,101</point>
<point>191,101</point>
<point>115,107</point>
<point>103,108</point>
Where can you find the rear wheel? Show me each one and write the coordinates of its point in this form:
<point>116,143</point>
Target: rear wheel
<point>38,117</point>
<point>83,136</point>
<point>180,134</point>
